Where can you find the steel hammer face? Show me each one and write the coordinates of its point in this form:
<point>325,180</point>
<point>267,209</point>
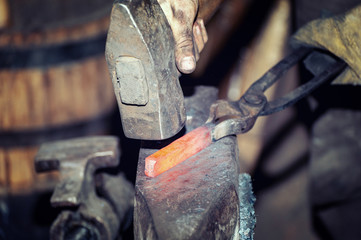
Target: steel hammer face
<point>140,57</point>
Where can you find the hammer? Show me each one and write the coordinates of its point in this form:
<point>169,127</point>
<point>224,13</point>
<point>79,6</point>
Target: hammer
<point>141,62</point>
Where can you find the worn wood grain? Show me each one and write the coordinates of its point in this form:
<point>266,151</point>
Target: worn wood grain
<point>37,98</point>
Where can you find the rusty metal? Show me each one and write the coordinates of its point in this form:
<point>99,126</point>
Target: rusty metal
<point>140,56</point>
<point>239,117</point>
<point>96,202</point>
<point>197,199</point>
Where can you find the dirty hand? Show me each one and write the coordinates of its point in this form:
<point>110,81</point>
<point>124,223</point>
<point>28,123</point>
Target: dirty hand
<point>340,35</point>
<point>190,35</point>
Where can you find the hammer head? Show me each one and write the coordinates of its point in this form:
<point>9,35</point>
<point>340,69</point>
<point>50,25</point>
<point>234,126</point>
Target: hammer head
<point>140,56</point>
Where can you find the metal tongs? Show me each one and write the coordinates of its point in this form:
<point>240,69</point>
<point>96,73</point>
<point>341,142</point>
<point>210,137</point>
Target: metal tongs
<point>238,117</point>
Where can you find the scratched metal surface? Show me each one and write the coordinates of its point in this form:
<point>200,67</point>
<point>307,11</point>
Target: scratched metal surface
<point>140,56</point>
<point>197,199</point>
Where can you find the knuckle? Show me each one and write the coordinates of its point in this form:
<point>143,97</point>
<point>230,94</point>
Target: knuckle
<point>185,40</point>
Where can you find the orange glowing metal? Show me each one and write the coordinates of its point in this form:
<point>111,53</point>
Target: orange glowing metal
<point>178,151</point>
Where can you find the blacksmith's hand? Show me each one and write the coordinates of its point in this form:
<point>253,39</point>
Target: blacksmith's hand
<point>190,35</point>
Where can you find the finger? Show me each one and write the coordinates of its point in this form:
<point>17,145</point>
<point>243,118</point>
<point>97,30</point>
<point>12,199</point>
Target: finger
<point>200,34</point>
<point>195,49</point>
<point>203,30</point>
<point>185,53</point>
<point>180,15</point>
<point>197,36</point>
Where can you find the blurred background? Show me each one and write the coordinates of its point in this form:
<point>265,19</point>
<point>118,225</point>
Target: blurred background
<point>54,84</point>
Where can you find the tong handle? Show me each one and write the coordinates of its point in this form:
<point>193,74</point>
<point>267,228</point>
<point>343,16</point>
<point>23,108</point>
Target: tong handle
<point>280,69</point>
<point>331,71</point>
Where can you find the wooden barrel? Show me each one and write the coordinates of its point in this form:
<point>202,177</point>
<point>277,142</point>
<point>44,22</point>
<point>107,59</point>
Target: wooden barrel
<point>54,81</point>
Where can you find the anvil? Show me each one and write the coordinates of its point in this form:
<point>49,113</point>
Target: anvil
<point>202,198</point>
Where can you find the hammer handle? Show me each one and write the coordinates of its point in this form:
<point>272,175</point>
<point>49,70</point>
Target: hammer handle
<point>207,8</point>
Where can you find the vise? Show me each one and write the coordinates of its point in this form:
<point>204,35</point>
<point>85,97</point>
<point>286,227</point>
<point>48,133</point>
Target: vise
<point>95,203</point>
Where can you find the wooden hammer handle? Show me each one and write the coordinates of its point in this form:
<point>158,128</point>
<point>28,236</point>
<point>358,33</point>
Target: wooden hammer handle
<point>207,8</point>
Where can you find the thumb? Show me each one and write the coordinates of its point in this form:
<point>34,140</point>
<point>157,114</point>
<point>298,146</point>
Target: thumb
<point>184,48</point>
<point>181,15</point>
